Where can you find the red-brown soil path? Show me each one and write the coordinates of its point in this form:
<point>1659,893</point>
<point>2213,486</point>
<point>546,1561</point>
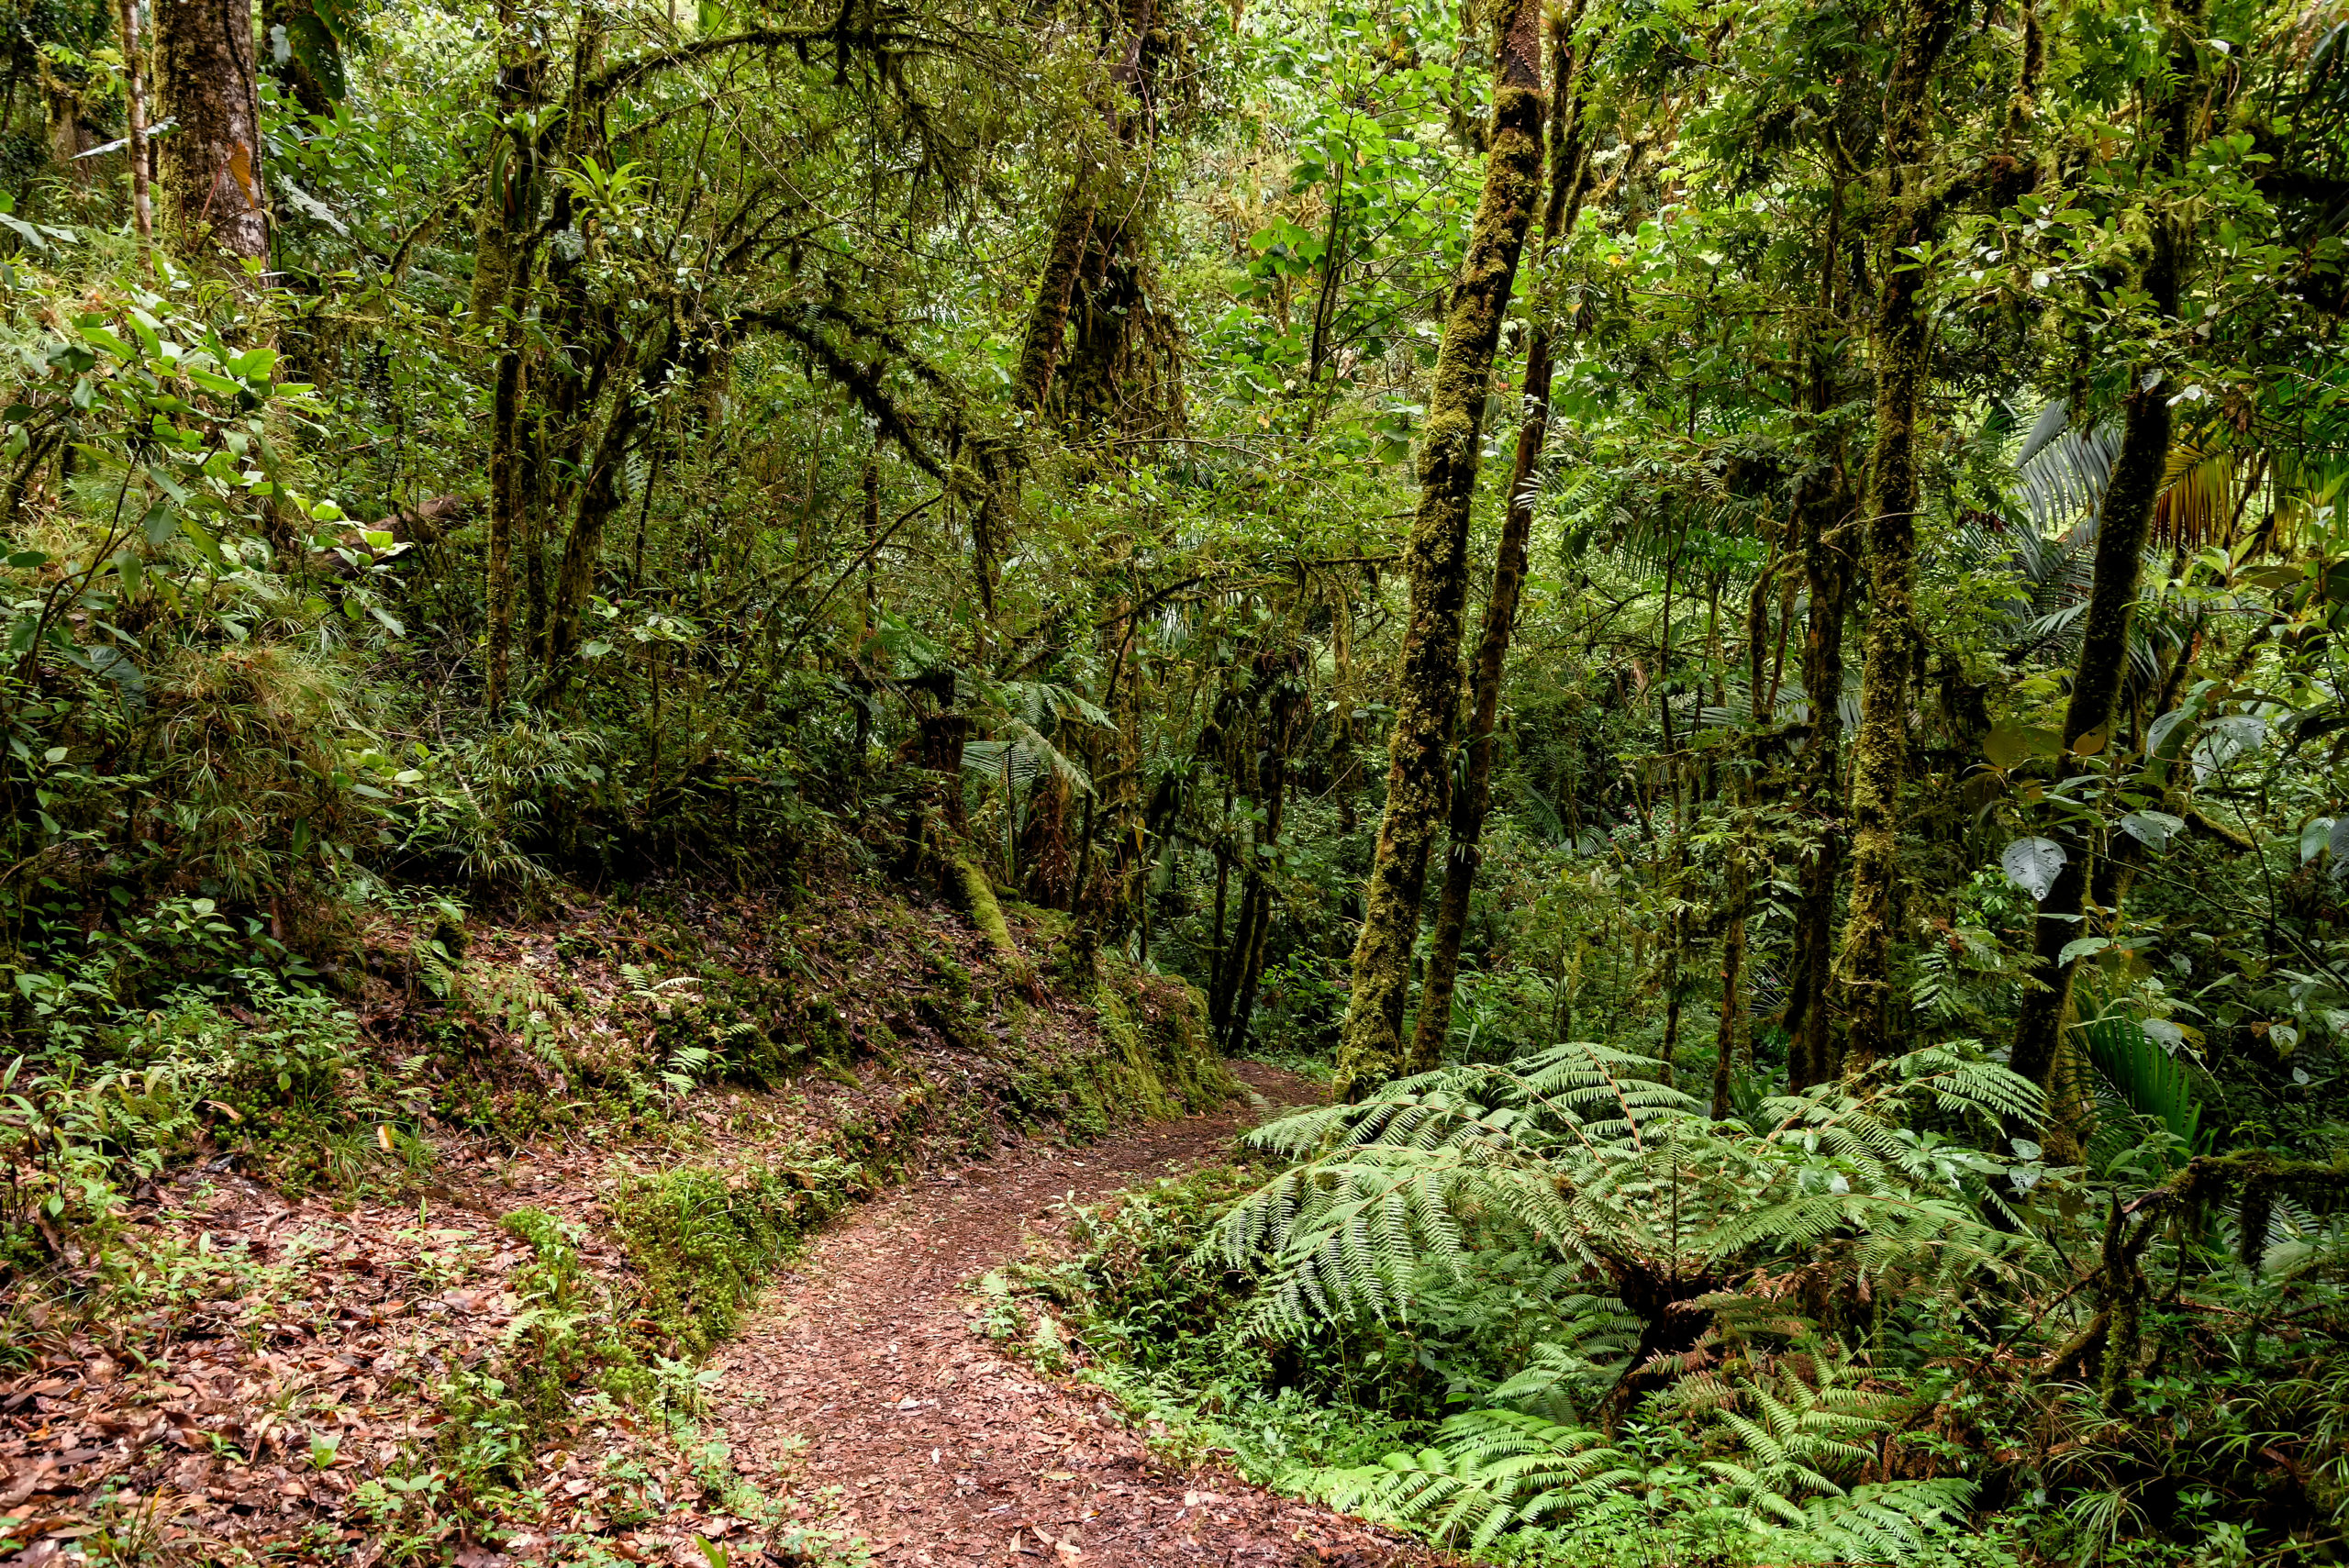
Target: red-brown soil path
<point>863,1388</point>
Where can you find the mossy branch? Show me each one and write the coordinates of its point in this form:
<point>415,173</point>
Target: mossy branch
<point>972,891</point>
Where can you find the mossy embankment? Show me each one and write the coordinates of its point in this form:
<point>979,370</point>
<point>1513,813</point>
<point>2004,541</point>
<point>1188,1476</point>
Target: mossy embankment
<point>757,1070</point>
<point>603,1123</point>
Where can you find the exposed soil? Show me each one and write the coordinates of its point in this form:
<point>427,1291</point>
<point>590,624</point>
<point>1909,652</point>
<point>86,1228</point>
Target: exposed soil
<point>862,1387</point>
<point>274,1350</point>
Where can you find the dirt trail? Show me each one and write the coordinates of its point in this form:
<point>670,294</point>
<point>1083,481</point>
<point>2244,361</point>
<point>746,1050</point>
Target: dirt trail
<point>861,1372</point>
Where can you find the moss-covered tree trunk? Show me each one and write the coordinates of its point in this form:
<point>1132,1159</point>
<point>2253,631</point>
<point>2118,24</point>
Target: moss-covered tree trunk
<point>213,199</point>
<point>1040,350</point>
<point>1122,373</point>
<point>504,247</point>
<point>1821,515</point>
<point>576,345</point>
<point>1568,169</point>
<point>1819,524</point>
<point>1370,1048</point>
<point>1898,340</point>
<point>510,202</point>
<point>2123,521</point>
<point>505,491</point>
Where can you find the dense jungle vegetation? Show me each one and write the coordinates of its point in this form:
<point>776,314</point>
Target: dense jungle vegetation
<point>1722,611</point>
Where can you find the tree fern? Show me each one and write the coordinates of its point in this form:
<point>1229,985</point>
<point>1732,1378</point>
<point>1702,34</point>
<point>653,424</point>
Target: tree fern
<point>1624,1179</point>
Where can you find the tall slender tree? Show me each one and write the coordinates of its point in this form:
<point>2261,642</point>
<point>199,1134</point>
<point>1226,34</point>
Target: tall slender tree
<point>2124,520</point>
<point>215,199</point>
<point>1370,1048</point>
<point>1899,342</point>
<point>1569,172</point>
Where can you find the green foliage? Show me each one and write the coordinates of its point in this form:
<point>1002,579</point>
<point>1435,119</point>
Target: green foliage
<point>1617,1173</point>
<point>276,1072</point>
<point>1769,1496</point>
<point>702,1244</point>
<point>709,419</point>
<point>2149,1082</point>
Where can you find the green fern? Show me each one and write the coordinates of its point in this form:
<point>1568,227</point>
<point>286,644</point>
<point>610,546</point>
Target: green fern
<point>1489,1471</point>
<point>1786,1444</point>
<point>1625,1182</point>
<point>1795,1439</point>
<point>1890,1522</point>
<point>2147,1079</point>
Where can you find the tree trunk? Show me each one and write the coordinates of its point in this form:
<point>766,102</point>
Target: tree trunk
<point>510,202</point>
<point>1282,703</point>
<point>1669,1052</point>
<point>1039,350</point>
<point>61,105</point>
<point>213,194</point>
<point>599,500</point>
<point>577,346</point>
<point>505,499</point>
<point>1342,765</point>
<point>1829,571</point>
<point>1128,874</point>
<point>1733,1040</point>
<point>1370,1048</point>
<point>1123,373</point>
<point>1568,171</point>
<point>502,258</point>
<point>1739,899</point>
<point>1898,341</point>
<point>2123,521</point>
<point>142,212</point>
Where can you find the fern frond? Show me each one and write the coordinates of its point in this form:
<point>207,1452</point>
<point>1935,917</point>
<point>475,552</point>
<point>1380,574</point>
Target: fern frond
<point>1489,1471</point>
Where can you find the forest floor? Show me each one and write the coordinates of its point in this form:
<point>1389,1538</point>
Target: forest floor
<point>864,1387</point>
<point>258,1361</point>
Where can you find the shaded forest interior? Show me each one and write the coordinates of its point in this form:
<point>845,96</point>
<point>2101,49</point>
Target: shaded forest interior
<point>1719,613</point>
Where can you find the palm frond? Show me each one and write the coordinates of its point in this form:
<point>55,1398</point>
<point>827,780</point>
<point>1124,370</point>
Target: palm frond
<point>2147,1079</point>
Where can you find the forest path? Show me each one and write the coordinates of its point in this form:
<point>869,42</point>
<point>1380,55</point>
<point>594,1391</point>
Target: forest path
<point>862,1372</point>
